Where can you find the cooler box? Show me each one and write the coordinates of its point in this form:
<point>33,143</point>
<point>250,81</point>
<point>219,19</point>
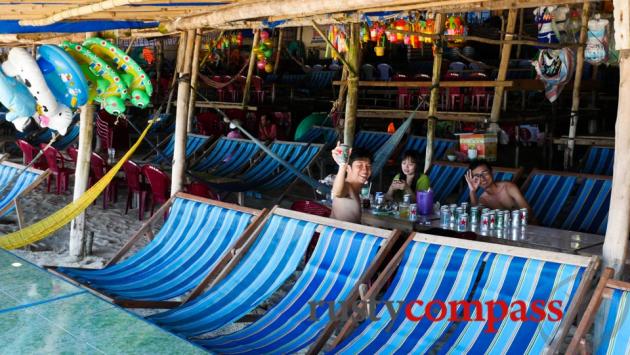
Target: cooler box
<point>485,143</point>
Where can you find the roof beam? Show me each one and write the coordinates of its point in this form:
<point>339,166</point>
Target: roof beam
<point>79,11</point>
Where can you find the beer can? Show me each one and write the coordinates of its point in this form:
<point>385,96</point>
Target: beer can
<point>485,210</point>
<point>474,215</point>
<point>464,205</point>
<point>492,221</point>
<point>516,219</point>
<point>379,198</point>
<point>452,207</point>
<point>445,215</point>
<point>500,220</point>
<point>462,224</point>
<point>506,214</point>
<point>413,211</point>
<point>458,212</point>
<point>407,198</point>
<point>485,222</point>
<point>524,216</point>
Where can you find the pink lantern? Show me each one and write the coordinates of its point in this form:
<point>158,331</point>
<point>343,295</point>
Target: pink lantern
<point>261,64</point>
<point>264,35</point>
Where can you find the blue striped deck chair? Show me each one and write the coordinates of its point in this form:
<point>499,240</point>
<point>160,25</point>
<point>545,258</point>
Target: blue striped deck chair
<point>498,174</point>
<point>292,79</point>
<point>616,316</point>
<point>599,161</point>
<point>343,258</point>
<point>14,188</point>
<point>285,178</point>
<point>590,210</point>
<point>319,80</point>
<point>319,134</point>
<point>370,140</point>
<point>193,239</point>
<point>194,143</point>
<point>432,268</point>
<point>547,193</point>
<point>227,156</point>
<point>445,178</point>
<point>419,145</point>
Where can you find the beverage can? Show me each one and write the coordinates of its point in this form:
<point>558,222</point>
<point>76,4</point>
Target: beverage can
<point>474,215</point>
<point>452,207</point>
<point>485,210</point>
<point>524,216</point>
<point>516,219</point>
<point>462,224</point>
<point>445,215</point>
<point>500,220</point>
<point>485,222</point>
<point>413,212</point>
<point>379,198</point>
<point>458,211</point>
<point>407,198</point>
<point>464,205</point>
<point>492,221</point>
<point>507,218</point>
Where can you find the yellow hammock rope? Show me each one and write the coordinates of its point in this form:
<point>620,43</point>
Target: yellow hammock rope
<point>54,222</point>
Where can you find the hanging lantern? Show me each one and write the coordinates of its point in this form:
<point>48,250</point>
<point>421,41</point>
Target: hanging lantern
<point>261,64</point>
<point>400,26</point>
<point>264,35</point>
<point>239,39</point>
<point>268,68</point>
<point>373,33</point>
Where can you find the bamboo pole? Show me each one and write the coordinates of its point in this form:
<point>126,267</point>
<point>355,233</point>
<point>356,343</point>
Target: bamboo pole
<point>435,92</point>
<point>193,80</point>
<point>179,62</point>
<point>352,98</point>
<point>503,66</point>
<point>250,69</point>
<point>616,242</point>
<point>323,35</point>
<point>278,51</point>
<point>181,116</point>
<point>79,11</point>
<point>158,67</point>
<point>575,104</point>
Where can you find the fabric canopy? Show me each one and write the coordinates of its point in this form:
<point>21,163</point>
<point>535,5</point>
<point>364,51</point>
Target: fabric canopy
<point>13,27</point>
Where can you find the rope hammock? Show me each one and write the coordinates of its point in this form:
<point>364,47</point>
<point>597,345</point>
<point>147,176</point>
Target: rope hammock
<point>57,220</point>
<point>220,85</point>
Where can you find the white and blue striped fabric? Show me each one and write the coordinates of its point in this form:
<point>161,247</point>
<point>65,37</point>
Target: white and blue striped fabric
<point>193,143</point>
<point>193,238</point>
<point>372,141</point>
<point>7,174</point>
<point>547,193</point>
<point>337,263</point>
<point>599,160</point>
<point>319,134</point>
<point>273,257</point>
<point>229,156</point>
<point>591,213</point>
<point>445,179</point>
<point>509,279</point>
<point>616,337</point>
<point>419,145</point>
<point>427,272</point>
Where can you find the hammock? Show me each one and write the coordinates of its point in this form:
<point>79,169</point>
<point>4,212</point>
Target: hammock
<point>220,85</point>
<point>384,152</point>
<point>54,222</point>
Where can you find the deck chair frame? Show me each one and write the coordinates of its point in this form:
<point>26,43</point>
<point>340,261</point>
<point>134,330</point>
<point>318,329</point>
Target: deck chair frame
<point>591,264</point>
<point>229,262</point>
<point>603,290</point>
<point>147,229</point>
<point>16,201</point>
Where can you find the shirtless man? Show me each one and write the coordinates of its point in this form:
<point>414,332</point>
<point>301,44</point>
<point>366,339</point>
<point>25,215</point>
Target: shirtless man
<point>352,175</point>
<point>503,195</point>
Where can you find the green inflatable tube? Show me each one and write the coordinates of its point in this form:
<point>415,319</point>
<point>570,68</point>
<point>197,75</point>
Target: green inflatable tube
<point>309,121</point>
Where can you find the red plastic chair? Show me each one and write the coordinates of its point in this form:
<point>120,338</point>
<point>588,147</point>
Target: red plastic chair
<point>135,185</point>
<point>480,96</point>
<point>56,165</point>
<point>201,190</point>
<point>160,184</point>
<point>404,98</point>
<point>311,207</point>
<point>258,88</point>
<point>98,167</point>
<point>28,153</point>
<point>220,91</point>
<point>210,124</point>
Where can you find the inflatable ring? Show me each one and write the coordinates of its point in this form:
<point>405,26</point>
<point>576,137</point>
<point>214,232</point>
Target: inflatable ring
<point>136,79</point>
<point>16,97</point>
<point>63,76</point>
<point>20,64</point>
<point>111,91</point>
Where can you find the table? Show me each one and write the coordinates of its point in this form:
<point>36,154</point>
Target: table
<point>42,314</point>
<point>536,237</point>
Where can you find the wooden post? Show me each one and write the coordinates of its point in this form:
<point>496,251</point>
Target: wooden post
<point>352,98</point>
<point>179,61</point>
<point>503,66</point>
<point>250,69</point>
<point>194,80</point>
<point>575,104</point>
<point>435,93</point>
<point>616,242</point>
<point>82,175</point>
<point>158,67</point>
<point>521,25</point>
<point>181,116</point>
<point>278,51</point>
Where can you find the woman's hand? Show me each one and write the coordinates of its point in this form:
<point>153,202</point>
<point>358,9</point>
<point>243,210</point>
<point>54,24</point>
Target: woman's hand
<point>473,182</point>
<point>399,185</point>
